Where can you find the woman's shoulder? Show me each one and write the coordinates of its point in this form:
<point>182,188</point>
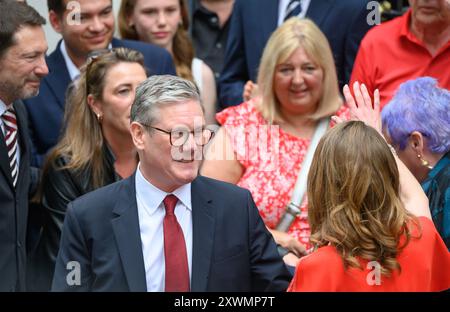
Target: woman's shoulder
<point>242,114</point>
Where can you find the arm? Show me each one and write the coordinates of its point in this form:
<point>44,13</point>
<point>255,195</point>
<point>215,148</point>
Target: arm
<point>209,94</point>
<point>411,192</point>
<point>234,73</point>
<point>59,188</point>
<point>220,161</point>
<point>268,270</point>
<point>73,258</point>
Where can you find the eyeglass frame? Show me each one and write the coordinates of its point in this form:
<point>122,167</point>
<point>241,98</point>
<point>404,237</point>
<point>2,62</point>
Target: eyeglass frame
<point>181,130</point>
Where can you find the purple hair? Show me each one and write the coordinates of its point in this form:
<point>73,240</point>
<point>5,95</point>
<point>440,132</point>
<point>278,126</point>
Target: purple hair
<point>419,105</point>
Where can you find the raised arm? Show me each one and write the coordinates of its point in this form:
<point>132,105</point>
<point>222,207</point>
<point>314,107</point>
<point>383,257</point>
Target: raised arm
<point>361,108</point>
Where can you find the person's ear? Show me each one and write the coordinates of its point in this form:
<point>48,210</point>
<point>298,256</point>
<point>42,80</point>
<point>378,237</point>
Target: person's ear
<point>138,135</point>
<point>56,21</point>
<point>95,106</point>
<point>416,142</point>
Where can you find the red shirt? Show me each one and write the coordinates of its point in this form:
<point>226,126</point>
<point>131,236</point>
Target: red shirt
<point>390,54</point>
<point>424,262</point>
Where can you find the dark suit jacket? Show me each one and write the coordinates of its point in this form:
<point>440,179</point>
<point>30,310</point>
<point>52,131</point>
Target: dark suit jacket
<point>252,22</point>
<point>46,111</point>
<point>232,249</point>
<point>14,209</point>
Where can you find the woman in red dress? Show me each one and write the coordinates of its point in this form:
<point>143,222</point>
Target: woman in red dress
<point>369,217</point>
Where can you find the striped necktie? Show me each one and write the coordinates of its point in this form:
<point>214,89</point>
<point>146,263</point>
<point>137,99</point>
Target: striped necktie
<point>294,8</point>
<point>10,122</point>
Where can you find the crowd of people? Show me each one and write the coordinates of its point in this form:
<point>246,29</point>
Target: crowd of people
<point>214,149</point>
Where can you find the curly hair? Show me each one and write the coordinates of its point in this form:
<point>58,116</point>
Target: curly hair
<point>353,198</point>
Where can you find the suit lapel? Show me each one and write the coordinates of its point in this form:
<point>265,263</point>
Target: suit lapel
<point>316,10</point>
<point>22,130</point>
<point>203,234</point>
<point>127,234</point>
<point>58,78</point>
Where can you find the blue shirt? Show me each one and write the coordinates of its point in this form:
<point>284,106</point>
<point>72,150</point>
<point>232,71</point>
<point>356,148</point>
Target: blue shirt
<point>437,188</point>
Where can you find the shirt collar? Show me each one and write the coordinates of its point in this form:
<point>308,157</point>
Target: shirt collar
<point>152,196</point>
<point>3,107</point>
<point>71,67</point>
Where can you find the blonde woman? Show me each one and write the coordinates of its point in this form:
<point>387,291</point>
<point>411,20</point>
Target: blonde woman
<point>95,149</point>
<point>262,143</point>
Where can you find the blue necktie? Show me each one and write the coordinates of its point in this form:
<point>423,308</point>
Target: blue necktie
<point>294,8</point>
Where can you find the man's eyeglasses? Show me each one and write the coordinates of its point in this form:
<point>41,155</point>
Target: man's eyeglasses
<point>180,136</point>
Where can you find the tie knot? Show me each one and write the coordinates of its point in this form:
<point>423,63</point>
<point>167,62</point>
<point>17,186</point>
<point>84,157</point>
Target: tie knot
<point>169,203</point>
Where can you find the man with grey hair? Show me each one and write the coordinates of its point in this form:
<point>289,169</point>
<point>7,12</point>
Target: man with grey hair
<point>165,228</point>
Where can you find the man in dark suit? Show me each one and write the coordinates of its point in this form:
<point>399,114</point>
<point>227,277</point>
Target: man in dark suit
<point>165,228</point>
<point>22,66</point>
<point>91,28</point>
<point>252,22</point>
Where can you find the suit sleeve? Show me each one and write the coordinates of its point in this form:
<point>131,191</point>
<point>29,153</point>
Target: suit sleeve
<point>358,28</point>
<point>268,270</point>
<point>234,74</point>
<point>72,271</point>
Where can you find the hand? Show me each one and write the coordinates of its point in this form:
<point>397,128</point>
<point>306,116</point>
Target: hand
<point>289,242</point>
<point>291,259</point>
<point>250,90</point>
<point>362,109</point>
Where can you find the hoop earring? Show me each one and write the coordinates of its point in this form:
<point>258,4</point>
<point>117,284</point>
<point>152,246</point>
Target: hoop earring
<point>424,162</point>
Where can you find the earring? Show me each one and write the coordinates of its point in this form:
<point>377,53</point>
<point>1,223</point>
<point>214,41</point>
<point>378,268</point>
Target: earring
<point>99,117</point>
<point>424,162</point>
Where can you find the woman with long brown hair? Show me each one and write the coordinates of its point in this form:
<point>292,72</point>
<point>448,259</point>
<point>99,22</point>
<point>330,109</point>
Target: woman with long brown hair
<point>370,221</point>
<point>96,148</point>
<point>165,24</point>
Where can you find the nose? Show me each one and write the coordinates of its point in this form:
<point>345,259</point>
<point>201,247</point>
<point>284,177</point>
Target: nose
<point>297,77</point>
<point>96,25</point>
<point>41,69</point>
<point>162,19</point>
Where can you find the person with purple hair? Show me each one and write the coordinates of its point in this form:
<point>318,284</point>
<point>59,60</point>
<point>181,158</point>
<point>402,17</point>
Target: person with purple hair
<point>417,122</point>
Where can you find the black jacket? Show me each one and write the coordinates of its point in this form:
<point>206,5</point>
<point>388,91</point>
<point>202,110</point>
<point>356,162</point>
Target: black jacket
<point>60,186</point>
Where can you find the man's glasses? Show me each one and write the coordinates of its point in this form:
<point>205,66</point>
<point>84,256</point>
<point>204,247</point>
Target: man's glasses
<point>180,136</point>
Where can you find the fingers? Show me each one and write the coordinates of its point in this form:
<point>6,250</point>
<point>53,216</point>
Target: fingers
<point>298,249</point>
<point>337,119</point>
<point>376,100</point>
<point>366,96</point>
<point>358,95</point>
<point>349,97</point>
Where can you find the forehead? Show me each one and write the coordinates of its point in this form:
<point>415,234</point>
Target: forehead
<point>30,38</point>
<point>155,3</point>
<point>188,112</point>
<point>125,71</point>
<point>86,6</point>
<point>298,55</point>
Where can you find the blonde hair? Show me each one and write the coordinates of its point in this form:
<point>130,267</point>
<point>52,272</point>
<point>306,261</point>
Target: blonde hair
<point>353,197</point>
<point>82,140</point>
<point>291,35</point>
<point>183,50</point>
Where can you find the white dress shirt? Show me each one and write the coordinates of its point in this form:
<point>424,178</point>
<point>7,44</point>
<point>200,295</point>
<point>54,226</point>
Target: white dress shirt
<point>73,70</point>
<point>282,5</point>
<point>151,214</point>
<point>4,108</point>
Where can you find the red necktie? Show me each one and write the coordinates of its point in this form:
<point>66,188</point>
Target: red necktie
<point>177,271</point>
<point>10,122</point>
